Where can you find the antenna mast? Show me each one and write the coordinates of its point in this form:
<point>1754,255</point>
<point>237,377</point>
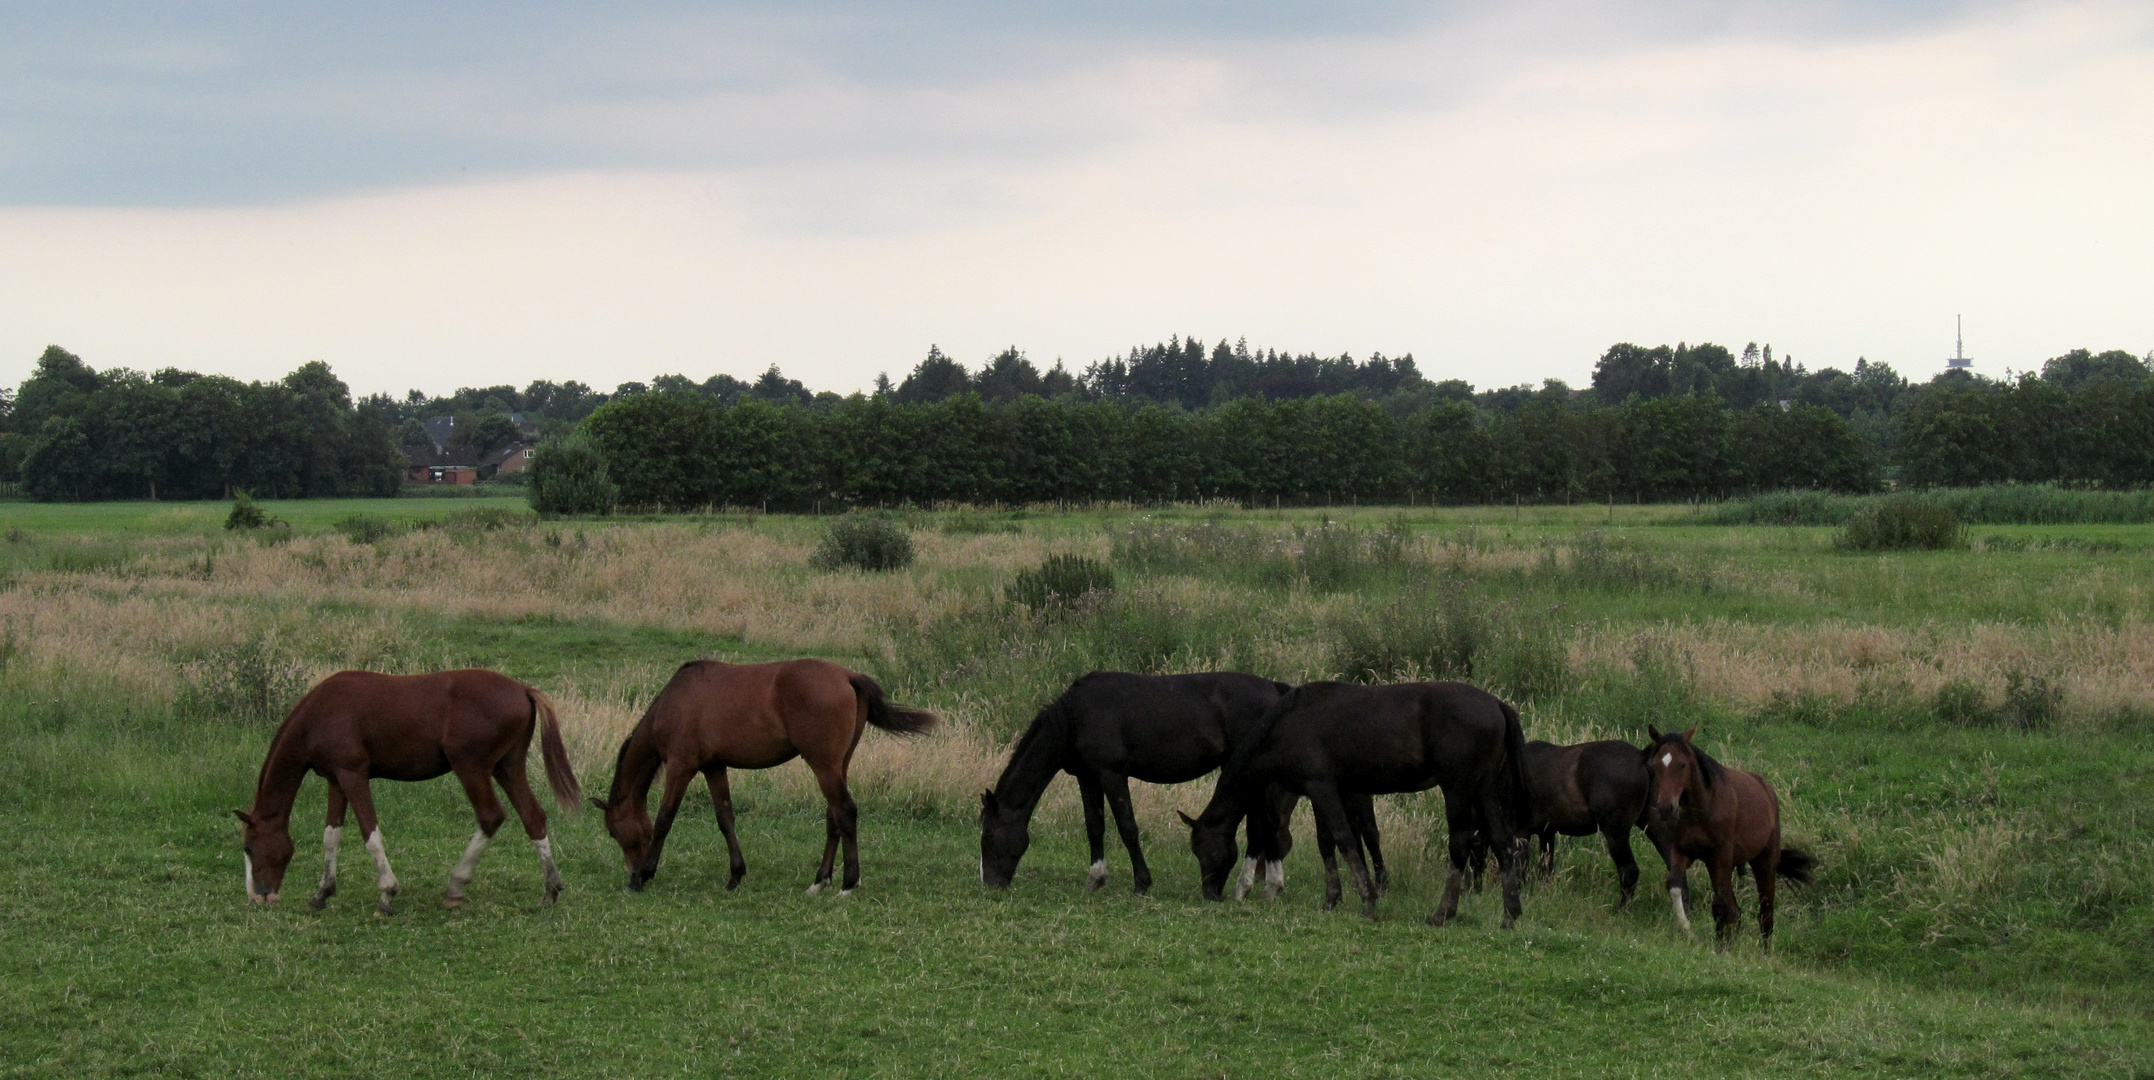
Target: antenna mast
<point>1959,360</point>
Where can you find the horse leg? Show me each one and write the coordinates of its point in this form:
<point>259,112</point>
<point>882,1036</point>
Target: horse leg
<point>722,802</point>
<point>332,837</point>
<point>1361,809</point>
<point>1333,817</point>
<point>678,777</point>
<point>1116,788</point>
<point>533,816</point>
<point>1327,851</point>
<point>1095,828</point>
<point>1617,834</point>
<point>356,792</point>
<point>1766,868</point>
<point>1725,913</point>
<point>841,818</point>
<point>1678,885</point>
<point>1459,819</point>
<point>479,788</point>
<point>1496,819</point>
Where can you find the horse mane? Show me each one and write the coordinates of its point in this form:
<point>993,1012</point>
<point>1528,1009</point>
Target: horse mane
<point>1238,761</point>
<point>1049,728</point>
<point>1709,770</point>
<point>620,757</point>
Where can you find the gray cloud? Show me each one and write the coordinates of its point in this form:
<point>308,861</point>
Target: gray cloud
<point>239,103</point>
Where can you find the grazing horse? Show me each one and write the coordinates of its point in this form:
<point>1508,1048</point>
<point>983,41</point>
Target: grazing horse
<point>1112,726</point>
<point>357,726</point>
<point>1326,740</point>
<point>1585,788</point>
<point>1705,810</point>
<point>713,716</point>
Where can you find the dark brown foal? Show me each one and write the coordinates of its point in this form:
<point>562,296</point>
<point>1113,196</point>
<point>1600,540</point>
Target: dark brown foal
<point>714,716</point>
<point>357,726</point>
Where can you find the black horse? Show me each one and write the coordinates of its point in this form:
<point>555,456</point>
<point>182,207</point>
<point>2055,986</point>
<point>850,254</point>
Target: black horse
<point>1110,726</point>
<point>1329,741</point>
<point>1585,788</point>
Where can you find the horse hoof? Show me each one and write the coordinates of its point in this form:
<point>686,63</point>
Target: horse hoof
<point>815,888</point>
<point>317,902</point>
<point>843,893</point>
<point>452,902</point>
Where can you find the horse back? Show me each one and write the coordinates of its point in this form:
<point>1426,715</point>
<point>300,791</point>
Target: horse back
<point>407,727</point>
<point>1381,739</point>
<point>1162,728</point>
<point>754,716</point>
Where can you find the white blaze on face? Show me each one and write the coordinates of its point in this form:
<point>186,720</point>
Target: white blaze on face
<point>1667,760</point>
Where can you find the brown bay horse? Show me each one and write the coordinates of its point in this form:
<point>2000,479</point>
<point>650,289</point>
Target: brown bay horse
<point>359,726</point>
<point>1726,817</point>
<point>713,716</point>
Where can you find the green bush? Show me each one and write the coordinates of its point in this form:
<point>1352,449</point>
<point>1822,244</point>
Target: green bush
<point>1060,582</point>
<point>1442,632</point>
<point>2031,701</point>
<point>1960,703</point>
<point>1902,523</point>
<point>568,476</point>
<point>869,541</point>
<point>248,680</point>
<point>245,515</point>
<point>368,529</point>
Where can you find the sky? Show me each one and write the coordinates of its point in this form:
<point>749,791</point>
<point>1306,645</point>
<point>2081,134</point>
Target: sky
<point>466,194</point>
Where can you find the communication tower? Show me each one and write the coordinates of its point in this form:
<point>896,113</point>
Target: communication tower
<point>1959,360</point>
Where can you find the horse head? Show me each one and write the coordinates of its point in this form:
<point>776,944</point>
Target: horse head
<point>1675,765</point>
<point>1211,838</point>
<point>265,845</point>
<point>1005,833</point>
<point>630,826</point>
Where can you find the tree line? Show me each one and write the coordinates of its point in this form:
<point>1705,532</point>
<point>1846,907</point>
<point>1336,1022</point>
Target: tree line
<point>1173,421</point>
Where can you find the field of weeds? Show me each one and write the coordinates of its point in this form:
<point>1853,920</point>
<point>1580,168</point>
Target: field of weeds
<point>1959,735</point>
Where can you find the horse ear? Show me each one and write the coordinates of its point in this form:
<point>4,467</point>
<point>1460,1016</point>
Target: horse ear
<point>243,816</point>
<point>600,803</point>
<point>1186,819</point>
<point>1693,731</point>
<point>987,800</point>
<point>1653,732</point>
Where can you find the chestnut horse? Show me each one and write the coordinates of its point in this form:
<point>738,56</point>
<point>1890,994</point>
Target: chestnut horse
<point>1702,809</point>
<point>356,726</point>
<point>713,716</point>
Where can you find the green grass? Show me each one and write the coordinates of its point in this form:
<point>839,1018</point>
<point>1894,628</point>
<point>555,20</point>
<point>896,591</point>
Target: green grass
<point>1985,904</point>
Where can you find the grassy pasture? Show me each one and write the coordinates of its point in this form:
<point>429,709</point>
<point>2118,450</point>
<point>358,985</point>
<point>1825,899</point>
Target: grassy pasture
<point>1960,737</point>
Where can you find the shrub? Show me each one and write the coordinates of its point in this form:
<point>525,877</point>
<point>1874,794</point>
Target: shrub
<point>568,476</point>
<point>245,515</point>
<point>1062,581</point>
<point>1902,523</point>
<point>368,529</point>
<point>1960,703</point>
<point>247,680</point>
<point>869,541</point>
<point>2031,701</point>
<point>1442,633</point>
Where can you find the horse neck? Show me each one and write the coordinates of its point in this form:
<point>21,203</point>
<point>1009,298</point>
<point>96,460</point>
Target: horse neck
<point>1034,763</point>
<point>634,770</point>
<point>277,787</point>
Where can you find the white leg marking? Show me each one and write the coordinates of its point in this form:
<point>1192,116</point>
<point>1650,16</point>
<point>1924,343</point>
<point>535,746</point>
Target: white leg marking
<point>331,838</point>
<point>1098,874</point>
<point>249,871</point>
<point>1245,880</point>
<point>1274,878</point>
<point>845,892</point>
<point>469,864</point>
<point>1682,918</point>
<point>815,888</point>
<point>983,869</point>
<point>386,877</point>
<point>544,846</point>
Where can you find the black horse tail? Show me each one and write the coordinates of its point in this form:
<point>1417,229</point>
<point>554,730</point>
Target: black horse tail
<point>889,717</point>
<point>1796,865</point>
<point>1514,748</point>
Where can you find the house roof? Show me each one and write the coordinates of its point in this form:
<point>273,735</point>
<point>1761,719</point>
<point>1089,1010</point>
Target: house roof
<point>505,453</point>
<point>428,457</point>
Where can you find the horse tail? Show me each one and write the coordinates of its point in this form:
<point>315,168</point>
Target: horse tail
<point>1796,865</point>
<point>889,717</point>
<point>559,776</point>
<point>1514,748</point>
